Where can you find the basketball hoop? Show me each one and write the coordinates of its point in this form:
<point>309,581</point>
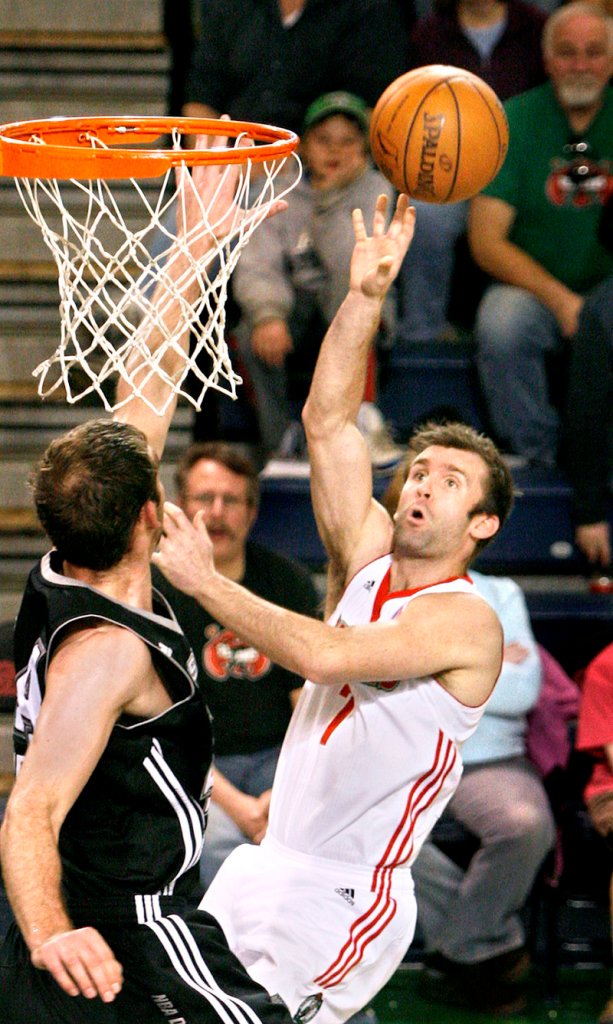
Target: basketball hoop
<point>76,178</point>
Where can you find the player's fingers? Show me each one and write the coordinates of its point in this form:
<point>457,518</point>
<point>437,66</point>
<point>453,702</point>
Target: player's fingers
<point>402,204</point>
<point>216,141</point>
<point>410,216</point>
<point>198,522</point>
<point>49,960</point>
<point>172,510</point>
<point>173,517</point>
<point>66,967</point>
<point>378,221</point>
<point>105,973</point>
<point>93,979</point>
<point>202,172</point>
<point>96,970</point>
<point>210,172</point>
<point>402,226</point>
<point>400,214</point>
<point>278,206</point>
<point>359,228</point>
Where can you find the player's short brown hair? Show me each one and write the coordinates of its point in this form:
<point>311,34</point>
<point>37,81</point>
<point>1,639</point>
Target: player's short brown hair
<point>89,489</point>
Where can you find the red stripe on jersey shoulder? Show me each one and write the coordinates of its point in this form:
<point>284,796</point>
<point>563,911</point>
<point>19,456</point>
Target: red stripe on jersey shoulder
<point>384,593</point>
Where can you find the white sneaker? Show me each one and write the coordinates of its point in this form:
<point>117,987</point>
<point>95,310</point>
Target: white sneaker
<point>383,449</point>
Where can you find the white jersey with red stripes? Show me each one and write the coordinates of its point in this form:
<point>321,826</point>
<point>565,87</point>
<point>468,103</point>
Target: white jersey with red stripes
<point>322,912</point>
<point>367,768</point>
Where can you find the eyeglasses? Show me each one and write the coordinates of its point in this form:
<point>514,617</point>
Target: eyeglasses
<point>207,500</point>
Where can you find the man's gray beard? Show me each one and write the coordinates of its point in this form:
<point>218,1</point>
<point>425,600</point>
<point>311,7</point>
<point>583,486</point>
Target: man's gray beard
<point>577,95</point>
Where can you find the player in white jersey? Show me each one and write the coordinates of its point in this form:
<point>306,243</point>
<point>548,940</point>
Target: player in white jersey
<point>323,911</point>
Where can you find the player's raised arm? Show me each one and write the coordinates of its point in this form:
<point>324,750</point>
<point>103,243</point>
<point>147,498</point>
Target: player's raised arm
<point>209,190</point>
<point>179,283</point>
<point>353,527</point>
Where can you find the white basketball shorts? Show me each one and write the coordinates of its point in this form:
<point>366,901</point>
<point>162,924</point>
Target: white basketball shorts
<point>324,936</point>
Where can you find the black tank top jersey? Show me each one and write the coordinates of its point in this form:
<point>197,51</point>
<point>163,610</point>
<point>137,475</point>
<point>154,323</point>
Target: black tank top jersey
<point>137,826</point>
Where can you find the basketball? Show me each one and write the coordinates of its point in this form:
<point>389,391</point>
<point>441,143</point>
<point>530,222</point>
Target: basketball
<point>439,133</point>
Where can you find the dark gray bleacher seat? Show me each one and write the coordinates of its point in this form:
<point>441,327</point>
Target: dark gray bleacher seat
<point>538,538</point>
<point>419,380</point>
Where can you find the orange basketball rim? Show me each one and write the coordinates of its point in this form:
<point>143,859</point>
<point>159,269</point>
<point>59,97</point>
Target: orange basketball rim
<point>105,197</point>
<point>86,148</point>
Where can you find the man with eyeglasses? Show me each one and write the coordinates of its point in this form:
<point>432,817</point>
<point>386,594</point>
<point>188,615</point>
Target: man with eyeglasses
<point>250,697</point>
<point>535,229</point>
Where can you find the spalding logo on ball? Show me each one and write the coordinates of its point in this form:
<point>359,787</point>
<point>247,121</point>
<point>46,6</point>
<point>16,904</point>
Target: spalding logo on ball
<point>439,133</point>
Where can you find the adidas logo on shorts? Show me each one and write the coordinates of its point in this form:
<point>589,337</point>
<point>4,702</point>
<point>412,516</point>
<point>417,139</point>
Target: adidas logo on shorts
<point>347,894</point>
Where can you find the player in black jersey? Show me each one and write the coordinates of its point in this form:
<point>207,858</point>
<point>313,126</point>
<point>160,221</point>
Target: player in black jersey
<point>104,827</point>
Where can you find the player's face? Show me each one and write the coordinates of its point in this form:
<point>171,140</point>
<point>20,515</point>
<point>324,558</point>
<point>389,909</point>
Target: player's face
<point>334,151</point>
<point>581,61</point>
<point>223,498</point>
<point>434,514</point>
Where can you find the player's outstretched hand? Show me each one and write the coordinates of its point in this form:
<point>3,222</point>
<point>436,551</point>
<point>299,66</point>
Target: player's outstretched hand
<point>377,258</point>
<point>185,552</point>
<point>207,199</point>
<point>82,963</point>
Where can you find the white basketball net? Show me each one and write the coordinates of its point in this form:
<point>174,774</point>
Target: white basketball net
<point>107,274</point>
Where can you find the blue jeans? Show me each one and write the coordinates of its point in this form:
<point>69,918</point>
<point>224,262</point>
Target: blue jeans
<point>252,774</point>
<point>514,334</point>
<point>427,271</point>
